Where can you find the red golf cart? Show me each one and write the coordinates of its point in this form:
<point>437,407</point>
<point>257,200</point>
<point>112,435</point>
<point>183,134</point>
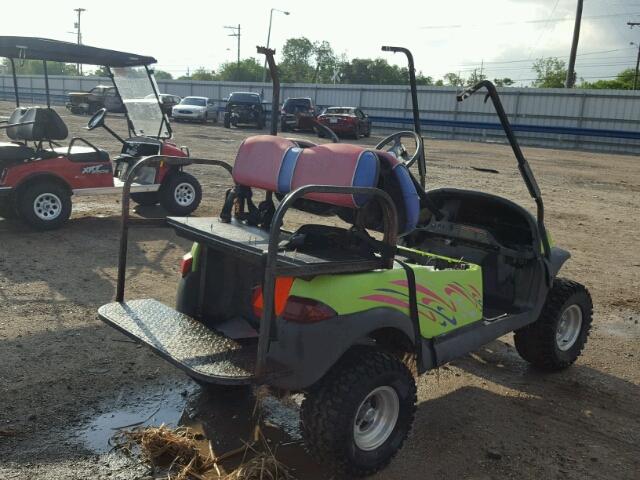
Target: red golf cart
<point>39,176</point>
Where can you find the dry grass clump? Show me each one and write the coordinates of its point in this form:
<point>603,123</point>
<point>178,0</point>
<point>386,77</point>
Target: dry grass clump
<point>170,449</point>
<point>177,452</point>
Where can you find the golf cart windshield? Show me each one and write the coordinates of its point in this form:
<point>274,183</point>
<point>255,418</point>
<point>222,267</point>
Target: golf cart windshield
<point>138,92</point>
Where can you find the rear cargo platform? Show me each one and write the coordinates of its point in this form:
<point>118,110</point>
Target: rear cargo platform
<point>203,353</point>
<point>251,243</point>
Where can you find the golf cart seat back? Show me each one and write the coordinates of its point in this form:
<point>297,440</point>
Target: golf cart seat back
<point>278,165</point>
<point>38,124</point>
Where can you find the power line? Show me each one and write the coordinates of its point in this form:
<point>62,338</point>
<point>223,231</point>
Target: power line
<point>540,20</point>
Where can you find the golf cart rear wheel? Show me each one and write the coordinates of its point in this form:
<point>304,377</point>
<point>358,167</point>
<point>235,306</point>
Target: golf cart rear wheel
<point>556,339</point>
<point>180,194</point>
<point>146,199</point>
<point>45,205</point>
<point>358,416</point>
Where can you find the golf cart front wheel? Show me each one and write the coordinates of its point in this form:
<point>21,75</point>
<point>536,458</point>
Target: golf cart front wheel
<point>180,194</point>
<point>357,417</point>
<point>45,205</point>
<point>556,339</point>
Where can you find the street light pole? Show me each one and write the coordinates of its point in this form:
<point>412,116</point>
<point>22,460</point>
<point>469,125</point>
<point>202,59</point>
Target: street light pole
<point>264,68</point>
<point>79,33</point>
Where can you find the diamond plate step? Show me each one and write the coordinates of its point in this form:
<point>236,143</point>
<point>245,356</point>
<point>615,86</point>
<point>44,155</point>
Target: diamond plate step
<point>203,353</point>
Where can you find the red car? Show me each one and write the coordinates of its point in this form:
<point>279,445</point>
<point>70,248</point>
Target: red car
<point>346,121</point>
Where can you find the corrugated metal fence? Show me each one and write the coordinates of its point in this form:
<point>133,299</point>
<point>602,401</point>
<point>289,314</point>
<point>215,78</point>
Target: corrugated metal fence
<point>603,120</point>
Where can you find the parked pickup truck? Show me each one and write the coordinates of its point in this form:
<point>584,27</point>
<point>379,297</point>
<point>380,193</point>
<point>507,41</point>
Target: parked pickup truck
<point>102,96</point>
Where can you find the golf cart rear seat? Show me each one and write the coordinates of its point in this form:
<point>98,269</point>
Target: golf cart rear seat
<point>18,152</point>
<point>278,165</point>
<point>39,124</point>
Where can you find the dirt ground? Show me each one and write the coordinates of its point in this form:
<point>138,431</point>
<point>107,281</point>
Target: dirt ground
<point>67,381</point>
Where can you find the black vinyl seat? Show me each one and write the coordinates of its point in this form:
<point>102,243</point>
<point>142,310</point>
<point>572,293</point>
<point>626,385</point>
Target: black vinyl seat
<point>18,152</point>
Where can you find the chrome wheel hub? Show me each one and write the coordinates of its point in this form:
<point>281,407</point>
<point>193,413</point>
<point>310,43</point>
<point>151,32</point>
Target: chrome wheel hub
<point>569,327</point>
<point>376,418</point>
<point>184,194</point>
<point>47,206</point>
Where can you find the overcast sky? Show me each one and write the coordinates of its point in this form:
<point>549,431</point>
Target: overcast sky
<point>445,36</point>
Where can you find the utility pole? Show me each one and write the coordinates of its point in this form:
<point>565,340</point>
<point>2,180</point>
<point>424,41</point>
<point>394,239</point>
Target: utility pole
<point>635,78</point>
<point>571,71</point>
<point>79,33</point>
<point>236,34</point>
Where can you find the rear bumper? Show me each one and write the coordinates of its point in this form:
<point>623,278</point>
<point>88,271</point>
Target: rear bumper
<point>337,128</point>
<point>5,191</point>
<point>187,116</point>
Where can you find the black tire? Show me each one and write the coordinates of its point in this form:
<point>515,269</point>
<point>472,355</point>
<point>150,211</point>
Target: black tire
<point>205,119</point>
<point>146,199</point>
<point>368,134</point>
<point>227,121</point>
<point>284,127</point>
<point>193,195</point>
<point>260,124</point>
<point>320,133</point>
<point>537,343</point>
<point>329,410</point>
<point>356,132</point>
<point>45,199</point>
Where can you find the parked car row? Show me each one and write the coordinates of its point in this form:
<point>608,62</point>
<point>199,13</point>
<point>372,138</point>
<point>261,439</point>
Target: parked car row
<point>300,114</point>
<point>242,108</point>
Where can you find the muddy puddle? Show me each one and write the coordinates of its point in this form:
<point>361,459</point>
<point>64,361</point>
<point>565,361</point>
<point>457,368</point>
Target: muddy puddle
<point>225,418</point>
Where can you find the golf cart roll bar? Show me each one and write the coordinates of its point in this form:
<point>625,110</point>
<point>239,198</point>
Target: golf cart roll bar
<point>154,160</point>
<point>275,80</point>
<point>523,165</point>
<point>422,169</point>
<point>390,236</point>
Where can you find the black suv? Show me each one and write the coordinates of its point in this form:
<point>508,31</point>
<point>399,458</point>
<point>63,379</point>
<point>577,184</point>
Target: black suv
<point>297,114</point>
<point>244,108</point>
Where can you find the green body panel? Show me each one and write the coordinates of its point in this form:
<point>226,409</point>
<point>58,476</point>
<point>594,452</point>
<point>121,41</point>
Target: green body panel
<point>447,298</point>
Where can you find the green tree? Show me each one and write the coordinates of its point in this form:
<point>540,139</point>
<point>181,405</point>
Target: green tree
<point>200,74</point>
<point>475,77</point>
<point>296,61</point>
<point>453,80</point>
<point>36,67</point>
<point>162,75</point>
<point>326,62</point>
<point>503,82</point>
<point>551,72</point>
<point>623,81</point>
<point>367,71</point>
<point>249,70</point>
<point>422,79</point>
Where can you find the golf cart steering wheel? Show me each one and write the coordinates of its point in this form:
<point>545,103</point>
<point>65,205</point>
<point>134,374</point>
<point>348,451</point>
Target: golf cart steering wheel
<point>398,149</point>
<point>97,120</point>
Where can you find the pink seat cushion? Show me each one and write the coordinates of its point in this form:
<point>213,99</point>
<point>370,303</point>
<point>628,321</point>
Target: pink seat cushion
<point>259,160</point>
<point>278,165</point>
